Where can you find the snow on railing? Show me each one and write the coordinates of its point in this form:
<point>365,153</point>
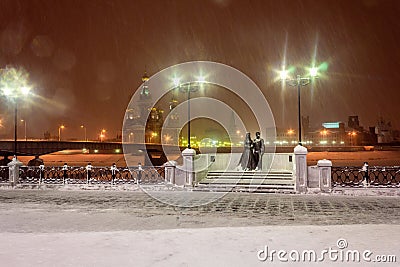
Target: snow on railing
<point>79,175</point>
<point>376,176</point>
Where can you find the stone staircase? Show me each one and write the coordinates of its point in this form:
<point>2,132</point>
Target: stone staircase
<point>274,181</point>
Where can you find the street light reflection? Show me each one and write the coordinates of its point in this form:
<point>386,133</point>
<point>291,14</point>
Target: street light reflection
<point>176,81</point>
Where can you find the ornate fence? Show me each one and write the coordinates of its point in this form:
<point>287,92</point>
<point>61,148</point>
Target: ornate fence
<point>4,174</point>
<point>373,176</point>
<point>341,176</point>
<point>79,175</point>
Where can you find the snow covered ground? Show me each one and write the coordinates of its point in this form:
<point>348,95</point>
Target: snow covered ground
<point>217,246</point>
<point>103,228</point>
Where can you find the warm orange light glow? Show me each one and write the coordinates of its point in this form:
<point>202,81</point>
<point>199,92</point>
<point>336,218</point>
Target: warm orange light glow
<point>290,131</point>
<point>62,127</point>
<point>324,132</point>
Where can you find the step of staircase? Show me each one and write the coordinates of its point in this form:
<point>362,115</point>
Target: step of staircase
<point>248,181</point>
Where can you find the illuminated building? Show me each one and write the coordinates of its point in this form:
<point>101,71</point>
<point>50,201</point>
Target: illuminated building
<point>139,128</point>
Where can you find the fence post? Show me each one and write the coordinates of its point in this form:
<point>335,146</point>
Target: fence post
<point>170,168</point>
<point>41,173</point>
<point>365,168</point>
<point>300,155</point>
<point>13,171</point>
<point>88,172</point>
<point>139,174</point>
<point>325,175</point>
<point>188,165</point>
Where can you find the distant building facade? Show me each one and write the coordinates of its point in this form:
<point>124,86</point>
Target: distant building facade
<point>145,123</point>
<point>384,132</point>
<point>337,134</point>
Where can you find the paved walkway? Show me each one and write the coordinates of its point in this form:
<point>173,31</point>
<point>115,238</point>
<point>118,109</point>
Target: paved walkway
<point>47,210</point>
<point>119,228</point>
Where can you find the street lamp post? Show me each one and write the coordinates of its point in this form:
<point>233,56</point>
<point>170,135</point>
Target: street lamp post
<point>13,85</point>
<point>351,134</point>
<point>153,136</point>
<point>324,134</point>
<point>59,131</point>
<point>290,132</point>
<point>188,88</point>
<point>102,135</point>
<point>15,126</point>
<point>299,82</point>
<point>130,137</point>
<point>84,128</point>
<point>24,121</point>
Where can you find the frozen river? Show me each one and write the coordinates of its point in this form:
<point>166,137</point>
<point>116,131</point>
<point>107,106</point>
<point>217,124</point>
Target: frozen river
<point>374,158</point>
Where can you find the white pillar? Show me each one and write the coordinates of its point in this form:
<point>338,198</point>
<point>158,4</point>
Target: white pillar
<point>170,168</point>
<point>300,155</point>
<point>325,174</point>
<point>188,165</point>
<point>13,171</point>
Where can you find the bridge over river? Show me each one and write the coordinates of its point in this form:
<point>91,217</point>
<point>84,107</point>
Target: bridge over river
<point>156,152</point>
<point>42,147</point>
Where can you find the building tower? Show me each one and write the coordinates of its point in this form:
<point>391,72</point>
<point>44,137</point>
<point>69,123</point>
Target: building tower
<point>354,123</point>
<point>171,127</point>
<point>137,117</point>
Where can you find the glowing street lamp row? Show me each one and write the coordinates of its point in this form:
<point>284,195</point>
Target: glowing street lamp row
<point>285,74</point>
<point>102,134</point>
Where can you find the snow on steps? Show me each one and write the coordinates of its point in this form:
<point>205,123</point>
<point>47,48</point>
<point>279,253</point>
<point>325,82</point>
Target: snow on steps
<point>249,181</point>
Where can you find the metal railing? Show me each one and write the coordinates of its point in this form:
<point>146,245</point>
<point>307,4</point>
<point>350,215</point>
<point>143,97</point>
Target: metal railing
<point>341,176</point>
<point>79,175</point>
<point>373,177</point>
<point>4,174</point>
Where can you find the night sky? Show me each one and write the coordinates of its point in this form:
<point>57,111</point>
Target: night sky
<point>86,58</point>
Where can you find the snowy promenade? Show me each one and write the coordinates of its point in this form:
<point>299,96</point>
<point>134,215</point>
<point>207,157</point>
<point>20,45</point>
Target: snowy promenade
<point>103,228</point>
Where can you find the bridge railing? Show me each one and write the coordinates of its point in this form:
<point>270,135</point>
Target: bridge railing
<point>79,175</point>
<point>372,177</point>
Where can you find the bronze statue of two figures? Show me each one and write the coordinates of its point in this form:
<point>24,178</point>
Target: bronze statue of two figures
<point>253,151</point>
